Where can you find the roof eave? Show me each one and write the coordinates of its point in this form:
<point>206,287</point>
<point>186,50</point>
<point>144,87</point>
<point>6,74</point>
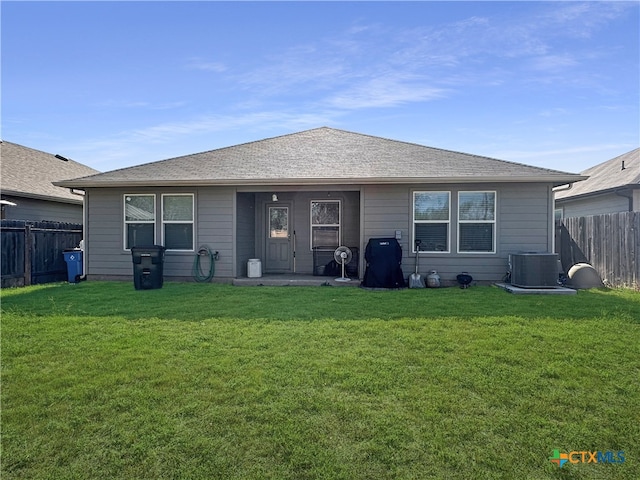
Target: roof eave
<point>596,193</point>
<point>556,180</point>
<point>35,196</point>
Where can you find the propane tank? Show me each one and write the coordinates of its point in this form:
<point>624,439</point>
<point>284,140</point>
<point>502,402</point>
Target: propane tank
<point>433,279</point>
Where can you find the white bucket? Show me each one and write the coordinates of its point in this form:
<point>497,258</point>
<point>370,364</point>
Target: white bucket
<point>254,268</point>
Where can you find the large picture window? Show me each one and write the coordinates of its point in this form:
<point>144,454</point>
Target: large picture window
<point>325,223</point>
<point>476,222</point>
<point>431,220</point>
<point>139,220</point>
<point>177,221</point>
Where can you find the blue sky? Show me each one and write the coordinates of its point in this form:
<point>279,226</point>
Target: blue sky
<point>115,84</point>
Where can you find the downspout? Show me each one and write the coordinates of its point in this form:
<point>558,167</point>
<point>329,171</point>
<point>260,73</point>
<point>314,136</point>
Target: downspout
<point>629,196</point>
<point>560,188</point>
<point>85,221</point>
<point>82,193</point>
<point>551,239</point>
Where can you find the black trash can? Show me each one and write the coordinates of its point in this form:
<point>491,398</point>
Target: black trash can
<point>148,263</point>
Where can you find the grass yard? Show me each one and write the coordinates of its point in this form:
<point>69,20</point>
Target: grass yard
<point>206,381</point>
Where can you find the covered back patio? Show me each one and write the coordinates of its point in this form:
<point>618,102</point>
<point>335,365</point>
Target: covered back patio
<point>294,232</point>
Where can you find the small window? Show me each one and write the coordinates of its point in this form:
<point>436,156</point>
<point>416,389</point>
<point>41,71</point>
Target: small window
<point>431,219</point>
<point>177,221</point>
<point>139,220</point>
<point>278,222</point>
<point>325,224</point>
<point>476,222</point>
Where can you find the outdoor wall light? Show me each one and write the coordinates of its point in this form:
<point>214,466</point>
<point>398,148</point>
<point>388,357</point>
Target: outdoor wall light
<point>274,197</point>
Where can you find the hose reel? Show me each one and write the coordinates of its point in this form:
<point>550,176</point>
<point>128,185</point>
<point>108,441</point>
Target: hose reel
<point>204,252</point>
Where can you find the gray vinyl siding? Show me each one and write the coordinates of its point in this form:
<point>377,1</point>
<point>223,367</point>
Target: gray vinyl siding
<point>595,205</point>
<point>245,231</point>
<point>219,210</point>
<point>105,254</point>
<point>232,223</point>
<point>524,213</point>
<point>522,224</point>
<point>385,210</point>
<point>214,228</point>
<point>36,210</point>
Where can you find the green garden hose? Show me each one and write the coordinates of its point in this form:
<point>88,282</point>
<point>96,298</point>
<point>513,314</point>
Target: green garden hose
<point>198,274</point>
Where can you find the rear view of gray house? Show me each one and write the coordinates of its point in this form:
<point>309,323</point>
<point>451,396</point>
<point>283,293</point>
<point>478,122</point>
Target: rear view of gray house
<point>284,199</point>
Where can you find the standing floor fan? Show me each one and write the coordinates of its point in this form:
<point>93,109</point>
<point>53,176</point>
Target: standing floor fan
<point>342,256</point>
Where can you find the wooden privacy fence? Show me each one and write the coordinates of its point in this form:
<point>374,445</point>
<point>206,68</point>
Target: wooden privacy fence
<point>32,251</point>
<point>610,243</point>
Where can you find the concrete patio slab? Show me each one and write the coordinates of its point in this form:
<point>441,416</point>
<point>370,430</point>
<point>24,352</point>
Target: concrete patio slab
<point>294,280</point>
<point>536,291</point>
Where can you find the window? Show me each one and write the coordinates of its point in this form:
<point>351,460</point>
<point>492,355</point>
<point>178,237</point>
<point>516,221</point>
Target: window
<point>431,219</point>
<point>177,221</point>
<point>476,222</point>
<point>139,220</point>
<point>325,223</point>
<point>278,222</point>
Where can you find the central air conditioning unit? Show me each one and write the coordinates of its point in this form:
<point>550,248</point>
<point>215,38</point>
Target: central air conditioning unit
<point>534,270</point>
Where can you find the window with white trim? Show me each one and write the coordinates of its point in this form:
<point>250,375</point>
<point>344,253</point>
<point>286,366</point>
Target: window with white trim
<point>431,220</point>
<point>177,221</point>
<point>139,220</point>
<point>325,223</point>
<point>477,222</point>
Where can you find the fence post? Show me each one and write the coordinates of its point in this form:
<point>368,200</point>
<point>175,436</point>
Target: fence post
<point>28,245</point>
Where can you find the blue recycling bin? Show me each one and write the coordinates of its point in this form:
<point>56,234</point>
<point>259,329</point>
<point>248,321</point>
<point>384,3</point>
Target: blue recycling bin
<point>73,257</point>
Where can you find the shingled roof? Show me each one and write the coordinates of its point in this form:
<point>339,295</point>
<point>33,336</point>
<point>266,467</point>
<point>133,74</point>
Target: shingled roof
<point>29,173</point>
<point>323,156</point>
<point>619,172</point>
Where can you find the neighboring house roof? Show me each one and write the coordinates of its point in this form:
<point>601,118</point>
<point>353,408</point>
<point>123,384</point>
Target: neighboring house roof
<point>26,172</point>
<point>323,156</point>
<point>607,177</point>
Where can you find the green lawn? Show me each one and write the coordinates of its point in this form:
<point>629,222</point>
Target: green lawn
<point>205,381</point>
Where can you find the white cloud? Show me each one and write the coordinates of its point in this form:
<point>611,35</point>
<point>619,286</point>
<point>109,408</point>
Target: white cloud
<point>155,142</point>
<point>197,63</point>
<point>386,91</point>
<point>581,19</point>
<point>171,131</point>
<point>139,104</point>
<point>553,62</point>
<point>379,65</point>
<point>554,112</point>
<point>572,159</point>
